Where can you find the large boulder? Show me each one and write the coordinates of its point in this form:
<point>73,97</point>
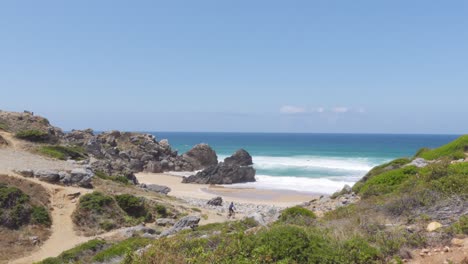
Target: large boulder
<point>188,222</point>
<point>222,174</point>
<point>47,175</point>
<point>217,201</point>
<point>201,156</point>
<point>240,157</point>
<point>156,188</point>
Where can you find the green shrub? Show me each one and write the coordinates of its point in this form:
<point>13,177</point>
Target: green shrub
<point>40,216</point>
<point>132,205</point>
<point>387,182</point>
<point>161,210</point>
<point>33,135</point>
<point>77,253</point>
<point>377,170</point>
<point>297,215</point>
<point>11,196</point>
<point>452,150</point>
<point>107,225</point>
<point>95,201</point>
<point>15,209</point>
<point>121,248</point>
<point>3,126</point>
<point>461,226</point>
<point>63,152</point>
<point>358,250</point>
<point>104,176</point>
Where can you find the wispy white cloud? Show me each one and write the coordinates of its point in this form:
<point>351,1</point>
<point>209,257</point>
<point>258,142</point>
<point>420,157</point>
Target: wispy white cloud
<point>291,109</point>
<point>340,109</point>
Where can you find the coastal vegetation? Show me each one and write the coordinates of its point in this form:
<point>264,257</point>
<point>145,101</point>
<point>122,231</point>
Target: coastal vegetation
<point>63,152</point>
<point>33,135</point>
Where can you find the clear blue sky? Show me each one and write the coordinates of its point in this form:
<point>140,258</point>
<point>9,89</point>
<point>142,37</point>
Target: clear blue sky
<point>266,66</point>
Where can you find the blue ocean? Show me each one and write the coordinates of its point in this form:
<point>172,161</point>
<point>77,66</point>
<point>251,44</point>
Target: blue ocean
<point>318,163</point>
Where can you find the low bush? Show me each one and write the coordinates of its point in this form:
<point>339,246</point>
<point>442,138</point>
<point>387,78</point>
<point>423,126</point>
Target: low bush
<point>297,215</point>
<point>77,254</point>
<point>121,248</point>
<point>358,250</point>
<point>104,176</point>
<point>3,126</point>
<point>453,150</point>
<point>392,165</point>
<point>15,209</point>
<point>39,215</point>
<point>387,182</point>
<point>161,210</point>
<point>461,226</point>
<point>33,135</point>
<point>95,201</point>
<point>63,152</point>
<point>132,205</point>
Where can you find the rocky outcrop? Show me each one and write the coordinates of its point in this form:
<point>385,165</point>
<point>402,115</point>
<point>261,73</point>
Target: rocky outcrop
<point>15,122</point>
<point>165,221</point>
<point>201,156</point>
<point>80,176</point>
<point>188,222</point>
<point>217,201</point>
<point>418,162</point>
<point>226,173</point>
<point>222,174</point>
<point>124,153</point>
<point>240,157</point>
<point>156,188</point>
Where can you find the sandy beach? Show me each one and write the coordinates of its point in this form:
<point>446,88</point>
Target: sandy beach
<point>244,195</point>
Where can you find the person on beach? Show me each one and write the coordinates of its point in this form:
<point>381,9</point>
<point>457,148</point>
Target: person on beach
<point>231,210</point>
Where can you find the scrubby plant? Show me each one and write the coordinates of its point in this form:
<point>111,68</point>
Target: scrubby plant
<point>3,126</point>
<point>121,248</point>
<point>63,152</point>
<point>161,210</point>
<point>118,178</point>
<point>297,215</point>
<point>40,216</point>
<point>453,150</point>
<point>461,226</point>
<point>387,182</point>
<point>95,201</point>
<point>77,254</point>
<point>33,135</point>
<point>358,250</point>
<point>132,205</point>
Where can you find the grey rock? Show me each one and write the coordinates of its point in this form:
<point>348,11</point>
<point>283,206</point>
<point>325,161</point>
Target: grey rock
<point>156,188</point>
<point>188,222</point>
<point>201,156</point>
<point>47,175</point>
<point>419,162</point>
<point>154,167</point>
<point>222,174</point>
<point>217,201</point>
<point>26,173</point>
<point>165,221</point>
<point>258,217</point>
<point>240,157</point>
<point>134,230</point>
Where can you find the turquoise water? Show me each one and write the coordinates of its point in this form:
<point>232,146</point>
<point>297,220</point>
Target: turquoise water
<point>320,163</point>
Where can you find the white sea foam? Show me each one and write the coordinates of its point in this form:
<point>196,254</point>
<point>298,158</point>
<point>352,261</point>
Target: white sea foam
<point>312,162</point>
<point>301,184</point>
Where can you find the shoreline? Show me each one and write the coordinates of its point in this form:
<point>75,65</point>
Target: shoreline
<point>281,198</point>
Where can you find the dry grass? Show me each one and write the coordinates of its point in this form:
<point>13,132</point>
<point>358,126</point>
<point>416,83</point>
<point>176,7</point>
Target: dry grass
<point>16,243</point>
